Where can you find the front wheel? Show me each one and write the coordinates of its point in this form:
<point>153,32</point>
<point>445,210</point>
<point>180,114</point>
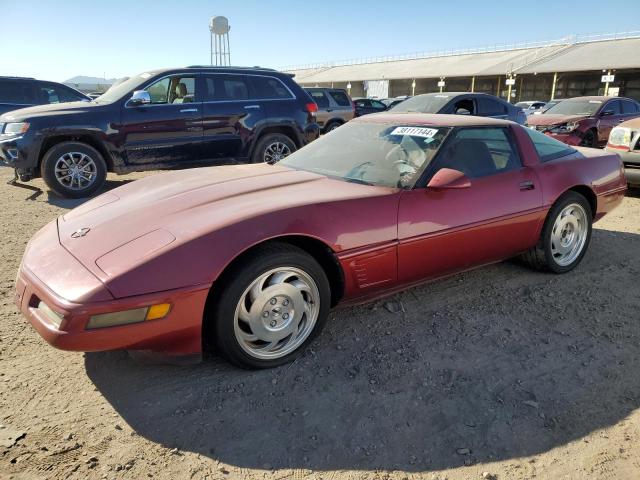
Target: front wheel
<point>270,307</point>
<point>73,169</point>
<point>272,148</point>
<point>565,236</point>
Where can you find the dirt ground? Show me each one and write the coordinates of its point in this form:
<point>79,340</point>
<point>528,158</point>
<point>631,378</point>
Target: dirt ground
<point>499,373</point>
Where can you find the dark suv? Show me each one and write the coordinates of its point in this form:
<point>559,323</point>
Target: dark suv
<point>20,92</point>
<point>161,119</point>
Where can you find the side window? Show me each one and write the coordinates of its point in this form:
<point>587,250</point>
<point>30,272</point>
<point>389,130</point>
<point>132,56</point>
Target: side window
<point>210,88</point>
<point>52,93</point>
<point>548,148</point>
<point>378,105</point>
<point>340,98</point>
<point>48,95</point>
<point>488,107</point>
<point>233,87</point>
<point>362,102</point>
<point>268,88</point>
<point>176,89</point>
<point>629,107</point>
<point>321,100</point>
<point>480,152</point>
<point>16,92</point>
<point>613,106</point>
<point>464,107</point>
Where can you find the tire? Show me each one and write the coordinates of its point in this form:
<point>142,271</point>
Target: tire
<point>548,254</point>
<point>76,154</point>
<point>272,148</point>
<point>590,139</point>
<point>264,336</point>
<point>332,126</point>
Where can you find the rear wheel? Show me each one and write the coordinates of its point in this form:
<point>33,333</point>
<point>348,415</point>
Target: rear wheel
<point>272,148</point>
<point>332,126</point>
<point>73,169</point>
<point>590,139</point>
<point>270,307</point>
<point>565,236</point>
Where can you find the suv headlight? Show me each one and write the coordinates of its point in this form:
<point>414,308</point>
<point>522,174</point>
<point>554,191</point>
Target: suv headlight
<point>15,128</point>
<point>564,127</point>
<point>620,136</point>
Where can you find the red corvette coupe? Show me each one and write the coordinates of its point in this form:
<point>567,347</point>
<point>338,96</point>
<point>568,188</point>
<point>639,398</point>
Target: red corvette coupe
<point>250,258</point>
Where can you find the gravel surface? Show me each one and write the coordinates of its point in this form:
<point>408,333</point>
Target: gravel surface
<point>499,373</point>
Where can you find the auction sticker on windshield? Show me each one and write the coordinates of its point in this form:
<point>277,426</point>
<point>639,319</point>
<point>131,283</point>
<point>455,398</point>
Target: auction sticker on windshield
<point>415,131</point>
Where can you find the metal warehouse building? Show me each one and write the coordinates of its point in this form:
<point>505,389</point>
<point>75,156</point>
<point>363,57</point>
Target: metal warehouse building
<point>575,66</point>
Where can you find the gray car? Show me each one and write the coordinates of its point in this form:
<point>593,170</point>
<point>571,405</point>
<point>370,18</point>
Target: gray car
<point>334,107</point>
<point>462,103</point>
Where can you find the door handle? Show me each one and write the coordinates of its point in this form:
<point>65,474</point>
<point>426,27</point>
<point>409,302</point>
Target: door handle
<point>185,110</point>
<point>527,185</point>
<point>251,106</point>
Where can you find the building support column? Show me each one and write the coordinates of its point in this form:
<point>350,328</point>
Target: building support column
<point>553,85</point>
<point>606,85</point>
<point>413,87</point>
<point>520,87</point>
<point>473,83</point>
<point>498,89</point>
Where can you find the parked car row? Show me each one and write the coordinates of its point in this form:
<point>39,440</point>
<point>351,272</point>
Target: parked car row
<point>204,115</point>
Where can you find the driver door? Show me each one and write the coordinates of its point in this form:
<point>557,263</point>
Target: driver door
<point>443,230</point>
<point>169,130</point>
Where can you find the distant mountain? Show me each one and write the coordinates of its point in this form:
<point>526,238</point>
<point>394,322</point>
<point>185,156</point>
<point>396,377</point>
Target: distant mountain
<point>82,79</point>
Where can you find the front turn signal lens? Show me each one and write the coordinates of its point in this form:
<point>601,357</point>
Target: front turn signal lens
<point>156,312</point>
<point>126,317</point>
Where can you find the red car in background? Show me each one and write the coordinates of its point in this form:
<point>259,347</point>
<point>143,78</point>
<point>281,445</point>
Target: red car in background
<point>250,258</point>
<point>585,121</point>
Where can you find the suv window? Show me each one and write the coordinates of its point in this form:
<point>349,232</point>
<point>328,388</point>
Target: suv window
<point>16,92</point>
<point>548,148</point>
<point>629,107</point>
<point>488,107</point>
<point>340,98</point>
<point>268,88</point>
<point>319,97</point>
<point>175,89</point>
<point>50,93</point>
<point>233,87</point>
<point>464,106</point>
<point>480,152</point>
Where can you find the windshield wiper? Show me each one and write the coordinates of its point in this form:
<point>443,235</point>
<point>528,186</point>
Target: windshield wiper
<point>358,180</point>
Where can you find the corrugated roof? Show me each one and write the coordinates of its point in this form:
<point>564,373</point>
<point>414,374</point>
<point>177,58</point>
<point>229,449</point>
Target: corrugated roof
<point>614,54</point>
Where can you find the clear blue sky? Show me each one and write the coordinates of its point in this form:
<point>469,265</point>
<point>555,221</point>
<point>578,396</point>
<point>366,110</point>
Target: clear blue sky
<point>56,40</point>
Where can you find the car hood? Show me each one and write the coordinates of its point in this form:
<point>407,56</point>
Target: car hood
<point>121,228</point>
<point>553,119</point>
<point>46,110</point>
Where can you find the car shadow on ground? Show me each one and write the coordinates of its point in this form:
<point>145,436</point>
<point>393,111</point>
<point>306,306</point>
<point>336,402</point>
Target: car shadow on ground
<point>492,364</point>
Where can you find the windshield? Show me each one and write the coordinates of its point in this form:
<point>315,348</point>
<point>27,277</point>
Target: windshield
<point>371,153</point>
<point>575,107</point>
<point>428,103</point>
<point>117,91</point>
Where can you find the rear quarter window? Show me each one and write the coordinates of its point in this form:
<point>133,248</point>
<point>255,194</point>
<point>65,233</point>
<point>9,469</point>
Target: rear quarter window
<point>340,98</point>
<point>319,97</point>
<point>269,88</point>
<point>548,148</point>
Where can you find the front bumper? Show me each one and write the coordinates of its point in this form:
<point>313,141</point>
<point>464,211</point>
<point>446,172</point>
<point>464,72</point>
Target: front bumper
<point>49,274</point>
<point>631,161</point>
<point>21,152</point>
<point>572,138</point>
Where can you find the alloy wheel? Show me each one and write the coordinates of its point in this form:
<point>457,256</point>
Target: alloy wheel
<point>75,170</point>
<point>569,234</point>
<point>275,152</point>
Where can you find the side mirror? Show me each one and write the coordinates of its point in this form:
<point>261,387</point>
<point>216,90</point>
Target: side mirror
<point>462,111</point>
<point>140,97</point>
<point>448,178</point>
<point>606,113</point>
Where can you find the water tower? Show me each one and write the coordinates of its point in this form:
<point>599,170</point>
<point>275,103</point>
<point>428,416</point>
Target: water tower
<point>220,51</point>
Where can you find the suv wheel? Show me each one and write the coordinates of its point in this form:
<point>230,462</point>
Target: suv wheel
<point>332,126</point>
<point>272,148</point>
<point>73,169</point>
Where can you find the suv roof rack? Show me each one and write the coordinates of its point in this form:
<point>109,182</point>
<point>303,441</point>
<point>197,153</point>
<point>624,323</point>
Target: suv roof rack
<point>16,78</point>
<point>231,67</point>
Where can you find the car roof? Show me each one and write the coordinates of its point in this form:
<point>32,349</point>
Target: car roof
<point>601,98</point>
<point>210,68</point>
<point>432,119</point>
